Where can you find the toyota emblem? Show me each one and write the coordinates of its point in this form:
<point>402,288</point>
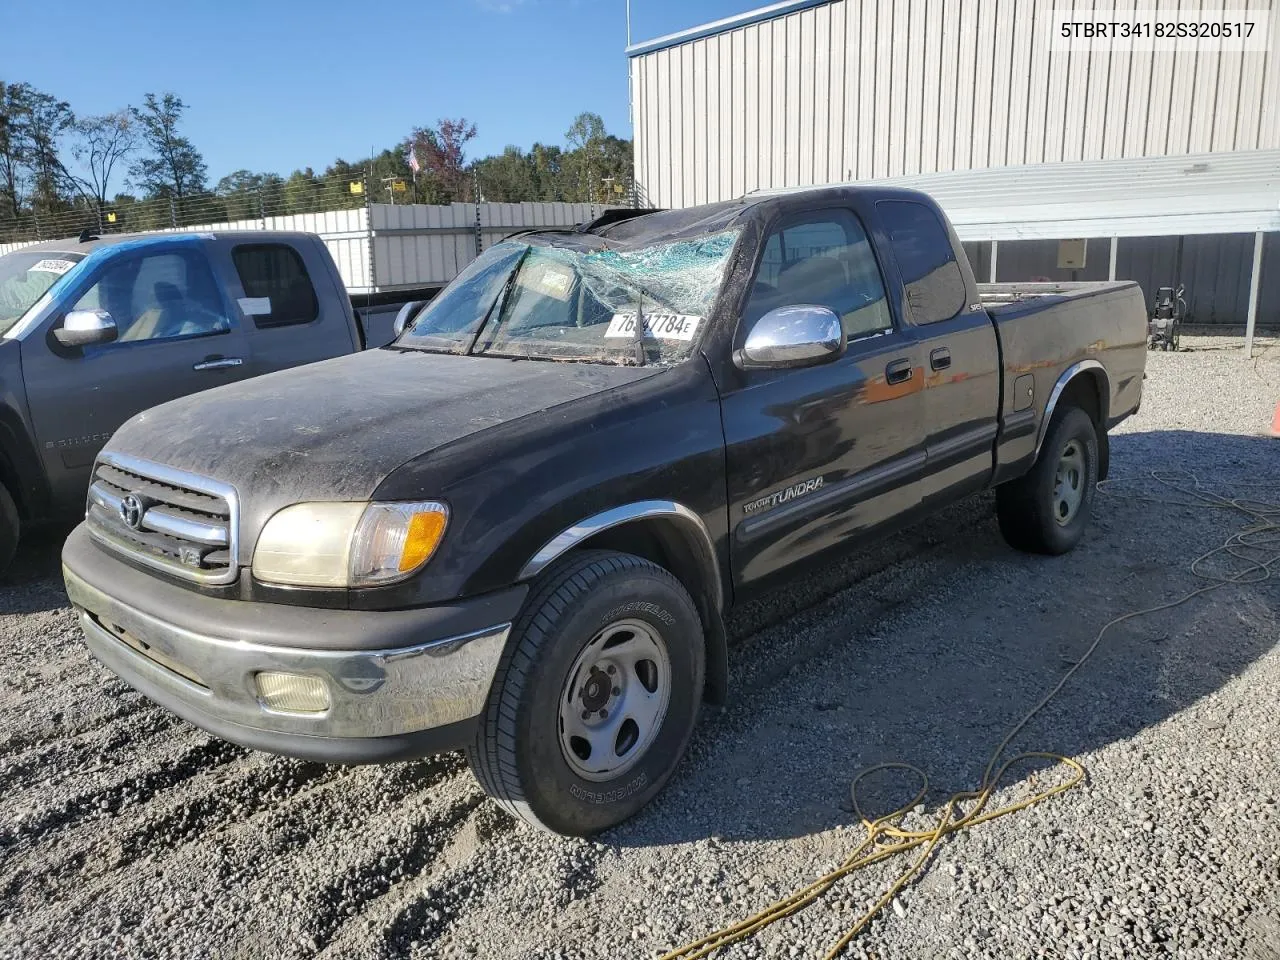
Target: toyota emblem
<point>131,511</point>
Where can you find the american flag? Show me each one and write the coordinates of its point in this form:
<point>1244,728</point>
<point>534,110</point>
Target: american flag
<point>412,157</point>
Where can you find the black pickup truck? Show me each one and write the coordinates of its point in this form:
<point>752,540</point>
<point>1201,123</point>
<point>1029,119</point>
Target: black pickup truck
<point>516,528</point>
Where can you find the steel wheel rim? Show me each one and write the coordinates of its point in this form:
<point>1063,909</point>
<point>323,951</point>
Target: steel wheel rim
<point>614,700</point>
<point>1069,483</point>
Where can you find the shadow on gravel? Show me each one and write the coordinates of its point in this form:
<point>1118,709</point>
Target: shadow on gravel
<point>33,582</point>
<point>934,655</point>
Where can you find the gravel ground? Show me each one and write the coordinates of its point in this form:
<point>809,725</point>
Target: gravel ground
<point>125,832</point>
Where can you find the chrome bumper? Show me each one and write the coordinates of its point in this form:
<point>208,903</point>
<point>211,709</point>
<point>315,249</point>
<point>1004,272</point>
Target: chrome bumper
<point>372,693</point>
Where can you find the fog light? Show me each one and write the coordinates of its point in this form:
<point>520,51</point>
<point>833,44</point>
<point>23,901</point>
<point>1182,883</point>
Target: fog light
<point>292,692</point>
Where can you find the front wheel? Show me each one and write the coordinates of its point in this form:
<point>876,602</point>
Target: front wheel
<point>596,697</point>
<point>1048,509</point>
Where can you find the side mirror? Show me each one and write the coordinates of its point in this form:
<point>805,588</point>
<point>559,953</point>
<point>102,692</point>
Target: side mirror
<point>802,335</point>
<point>403,317</point>
<point>83,327</point>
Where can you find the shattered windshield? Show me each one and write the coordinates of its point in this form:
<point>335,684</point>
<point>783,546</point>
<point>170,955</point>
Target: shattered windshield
<point>24,278</point>
<point>527,297</point>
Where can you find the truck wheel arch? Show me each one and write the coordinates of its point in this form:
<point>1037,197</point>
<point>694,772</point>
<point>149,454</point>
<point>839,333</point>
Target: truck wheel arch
<point>674,537</point>
<point>1084,384</point>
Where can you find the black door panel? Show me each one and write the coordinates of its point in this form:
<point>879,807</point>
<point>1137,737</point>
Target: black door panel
<point>962,389</point>
<point>817,457</point>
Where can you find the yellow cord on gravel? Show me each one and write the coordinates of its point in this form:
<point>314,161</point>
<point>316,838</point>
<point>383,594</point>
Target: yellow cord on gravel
<point>1258,545</point>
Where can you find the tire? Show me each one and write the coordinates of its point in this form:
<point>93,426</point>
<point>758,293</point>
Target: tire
<point>10,528</point>
<point>577,617</point>
<point>1038,515</point>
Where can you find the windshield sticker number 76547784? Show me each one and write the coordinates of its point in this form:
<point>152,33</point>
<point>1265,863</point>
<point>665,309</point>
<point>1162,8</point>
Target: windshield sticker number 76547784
<point>664,326</point>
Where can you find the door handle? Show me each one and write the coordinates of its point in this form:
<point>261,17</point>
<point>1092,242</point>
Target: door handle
<point>900,371</point>
<point>218,363</point>
<point>940,359</point>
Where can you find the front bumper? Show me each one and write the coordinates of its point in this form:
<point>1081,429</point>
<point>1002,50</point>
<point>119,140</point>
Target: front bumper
<point>401,683</point>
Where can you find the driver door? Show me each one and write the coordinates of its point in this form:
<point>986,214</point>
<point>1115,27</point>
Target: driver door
<point>175,335</point>
<point>818,457</point>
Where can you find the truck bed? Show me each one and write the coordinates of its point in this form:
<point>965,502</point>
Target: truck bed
<point>1047,328</point>
<point>1012,299</point>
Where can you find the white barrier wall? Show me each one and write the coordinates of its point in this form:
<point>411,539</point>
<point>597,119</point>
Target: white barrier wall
<point>414,245</point>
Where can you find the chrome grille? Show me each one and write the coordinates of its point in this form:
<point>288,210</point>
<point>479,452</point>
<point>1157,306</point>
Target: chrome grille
<point>164,518</point>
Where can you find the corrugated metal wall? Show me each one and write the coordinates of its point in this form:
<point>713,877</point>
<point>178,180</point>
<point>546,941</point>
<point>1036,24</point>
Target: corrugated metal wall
<point>1214,269</point>
<point>859,89</point>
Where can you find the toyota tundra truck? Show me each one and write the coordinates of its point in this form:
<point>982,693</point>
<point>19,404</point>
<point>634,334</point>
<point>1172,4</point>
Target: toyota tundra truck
<point>516,529</point>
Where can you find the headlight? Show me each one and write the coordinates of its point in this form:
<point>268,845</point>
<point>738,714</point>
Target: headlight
<point>348,544</point>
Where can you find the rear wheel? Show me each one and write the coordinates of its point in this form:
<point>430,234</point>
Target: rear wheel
<point>1048,509</point>
<point>10,527</point>
<point>595,699</point>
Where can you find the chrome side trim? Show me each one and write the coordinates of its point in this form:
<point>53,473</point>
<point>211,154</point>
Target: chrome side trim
<point>570,537</point>
<point>178,478</point>
<point>1068,375</point>
<point>861,486</point>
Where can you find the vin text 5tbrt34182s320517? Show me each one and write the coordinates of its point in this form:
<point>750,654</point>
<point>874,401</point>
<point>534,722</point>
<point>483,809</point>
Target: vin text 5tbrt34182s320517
<point>515,530</point>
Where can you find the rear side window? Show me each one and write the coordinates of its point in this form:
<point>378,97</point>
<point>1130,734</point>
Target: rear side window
<point>274,271</point>
<point>935,286</point>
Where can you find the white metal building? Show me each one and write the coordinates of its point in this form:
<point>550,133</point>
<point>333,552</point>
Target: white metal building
<point>1021,142</point>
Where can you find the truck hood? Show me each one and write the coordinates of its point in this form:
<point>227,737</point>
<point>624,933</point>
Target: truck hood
<point>334,430</point>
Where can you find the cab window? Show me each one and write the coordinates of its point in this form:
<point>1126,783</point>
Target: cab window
<point>162,296</point>
<point>922,247</point>
<point>274,271</point>
<point>825,259</point>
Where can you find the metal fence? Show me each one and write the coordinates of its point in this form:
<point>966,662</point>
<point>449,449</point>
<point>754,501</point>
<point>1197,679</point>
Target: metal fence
<point>384,248</point>
<point>254,199</point>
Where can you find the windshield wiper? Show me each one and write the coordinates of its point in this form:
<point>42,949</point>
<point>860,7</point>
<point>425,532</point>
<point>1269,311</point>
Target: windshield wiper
<point>501,298</point>
<point>639,340</point>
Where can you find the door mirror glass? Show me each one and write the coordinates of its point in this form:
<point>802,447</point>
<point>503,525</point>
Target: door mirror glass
<point>403,317</point>
<point>83,327</point>
<point>801,335</point>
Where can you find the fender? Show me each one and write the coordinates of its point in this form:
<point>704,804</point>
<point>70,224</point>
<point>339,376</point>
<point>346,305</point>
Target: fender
<point>695,544</point>
<point>570,537</point>
<point>1082,368</point>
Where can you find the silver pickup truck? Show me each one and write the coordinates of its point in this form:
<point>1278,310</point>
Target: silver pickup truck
<point>94,331</point>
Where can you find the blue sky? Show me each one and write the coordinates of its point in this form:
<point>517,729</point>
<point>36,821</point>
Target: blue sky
<point>274,85</point>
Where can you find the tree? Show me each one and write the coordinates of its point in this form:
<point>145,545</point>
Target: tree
<point>508,177</point>
<point>247,195</point>
<point>597,163</point>
<point>440,150</point>
<point>100,144</point>
<point>12,106</point>
<point>302,192</point>
<point>31,125</point>
<point>548,171</point>
<point>47,119</point>
<point>173,167</point>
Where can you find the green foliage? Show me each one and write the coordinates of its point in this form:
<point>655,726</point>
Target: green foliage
<point>57,172</point>
<point>171,166</point>
<point>597,168</point>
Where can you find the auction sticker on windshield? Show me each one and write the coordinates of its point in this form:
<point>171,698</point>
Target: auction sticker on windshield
<point>51,266</point>
<point>664,326</point>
